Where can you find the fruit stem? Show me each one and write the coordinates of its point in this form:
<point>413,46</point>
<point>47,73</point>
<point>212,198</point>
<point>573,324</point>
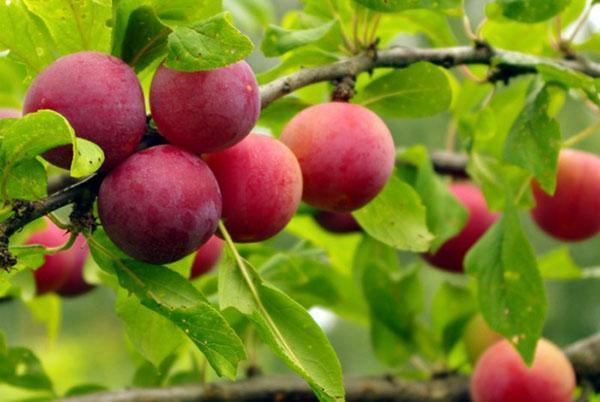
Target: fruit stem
<point>582,135</point>
<point>66,246</point>
<point>56,220</point>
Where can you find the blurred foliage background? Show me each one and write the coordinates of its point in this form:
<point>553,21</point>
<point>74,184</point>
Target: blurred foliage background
<point>85,341</point>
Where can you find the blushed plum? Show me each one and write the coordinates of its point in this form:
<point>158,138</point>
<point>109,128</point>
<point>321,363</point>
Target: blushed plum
<point>160,205</point>
<point>205,111</point>
<point>572,213</point>
<point>54,274</point>
<point>479,337</point>
<point>346,154</point>
<point>450,256</point>
<point>7,113</point>
<point>75,285</point>
<point>337,222</point>
<point>261,183</point>
<point>207,257</point>
<point>102,99</point>
<point>501,375</point>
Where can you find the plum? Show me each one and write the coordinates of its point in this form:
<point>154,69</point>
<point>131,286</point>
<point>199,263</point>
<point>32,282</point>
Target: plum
<point>337,222</point>
<point>346,154</point>
<point>261,183</point>
<point>205,111</point>
<point>207,257</point>
<point>160,204</point>
<point>102,99</point>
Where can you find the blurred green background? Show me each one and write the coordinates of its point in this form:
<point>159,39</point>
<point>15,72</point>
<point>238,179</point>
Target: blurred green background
<point>91,345</point>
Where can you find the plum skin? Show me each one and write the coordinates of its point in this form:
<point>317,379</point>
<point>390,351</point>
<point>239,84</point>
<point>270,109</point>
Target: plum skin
<point>207,257</point>
<point>337,222</point>
<point>501,376</point>
<point>571,214</point>
<point>205,111</point>
<point>102,99</point>
<point>450,256</point>
<point>478,337</point>
<point>261,184</point>
<point>160,205</point>
<point>346,153</point>
<point>61,270</point>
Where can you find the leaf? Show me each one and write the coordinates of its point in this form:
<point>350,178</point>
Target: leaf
<point>558,264</point>
<point>85,389</point>
<point>279,113</point>
<point>399,5</point>
<point>283,324</point>
<point>27,42</point>
<point>535,140</point>
<point>175,298</point>
<point>511,292</point>
<point>396,217</point>
<point>207,45</point>
<point>554,73</point>
<point>451,309</point>
<point>419,90</point>
<point>530,11</point>
<point>47,310</point>
<point>27,181</point>
<point>87,158</point>
<point>154,336</point>
<point>21,368</point>
<point>446,216</point>
<point>75,25</point>
<point>278,41</point>
<point>149,375</point>
<point>251,14</point>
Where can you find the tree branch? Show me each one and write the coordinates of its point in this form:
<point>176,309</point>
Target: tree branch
<point>584,355</point>
<point>507,64</point>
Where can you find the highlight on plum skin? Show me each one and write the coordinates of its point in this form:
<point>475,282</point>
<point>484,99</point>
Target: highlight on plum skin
<point>337,222</point>
<point>571,214</point>
<point>160,205</point>
<point>205,111</point>
<point>9,113</point>
<point>102,99</point>
<point>346,153</point>
<point>207,257</point>
<point>502,376</point>
<point>60,271</point>
<point>261,184</point>
<point>450,256</point>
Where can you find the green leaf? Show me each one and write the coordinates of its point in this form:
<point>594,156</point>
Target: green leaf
<point>175,298</point>
<point>396,217</point>
<point>149,375</point>
<point>251,14</point>
<point>32,135</point>
<point>511,292</point>
<point>21,368</point>
<point>535,140</point>
<point>27,181</point>
<point>47,310</point>
<point>399,5</point>
<point>207,45</point>
<point>531,10</point>
<point>154,336</point>
<point>446,216</point>
<point>283,324</point>
<point>75,25</point>
<point>558,264</point>
<point>451,309</point>
<point>85,389</point>
<point>419,90</point>
<point>279,40</point>
<point>554,73</point>
<point>28,42</point>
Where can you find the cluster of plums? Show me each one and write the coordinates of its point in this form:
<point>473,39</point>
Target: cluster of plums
<point>570,214</point>
<point>500,375</point>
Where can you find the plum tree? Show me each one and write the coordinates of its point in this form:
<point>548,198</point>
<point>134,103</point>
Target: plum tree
<point>451,254</point>
<point>261,184</point>
<point>337,222</point>
<point>207,257</point>
<point>205,111</point>
<point>571,214</point>
<point>501,375</point>
<point>60,269</point>
<point>8,113</point>
<point>100,96</point>
<point>478,337</point>
<point>160,204</point>
<point>346,153</point>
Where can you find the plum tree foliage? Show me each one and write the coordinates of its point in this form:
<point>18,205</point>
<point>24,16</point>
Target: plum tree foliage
<point>220,211</point>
